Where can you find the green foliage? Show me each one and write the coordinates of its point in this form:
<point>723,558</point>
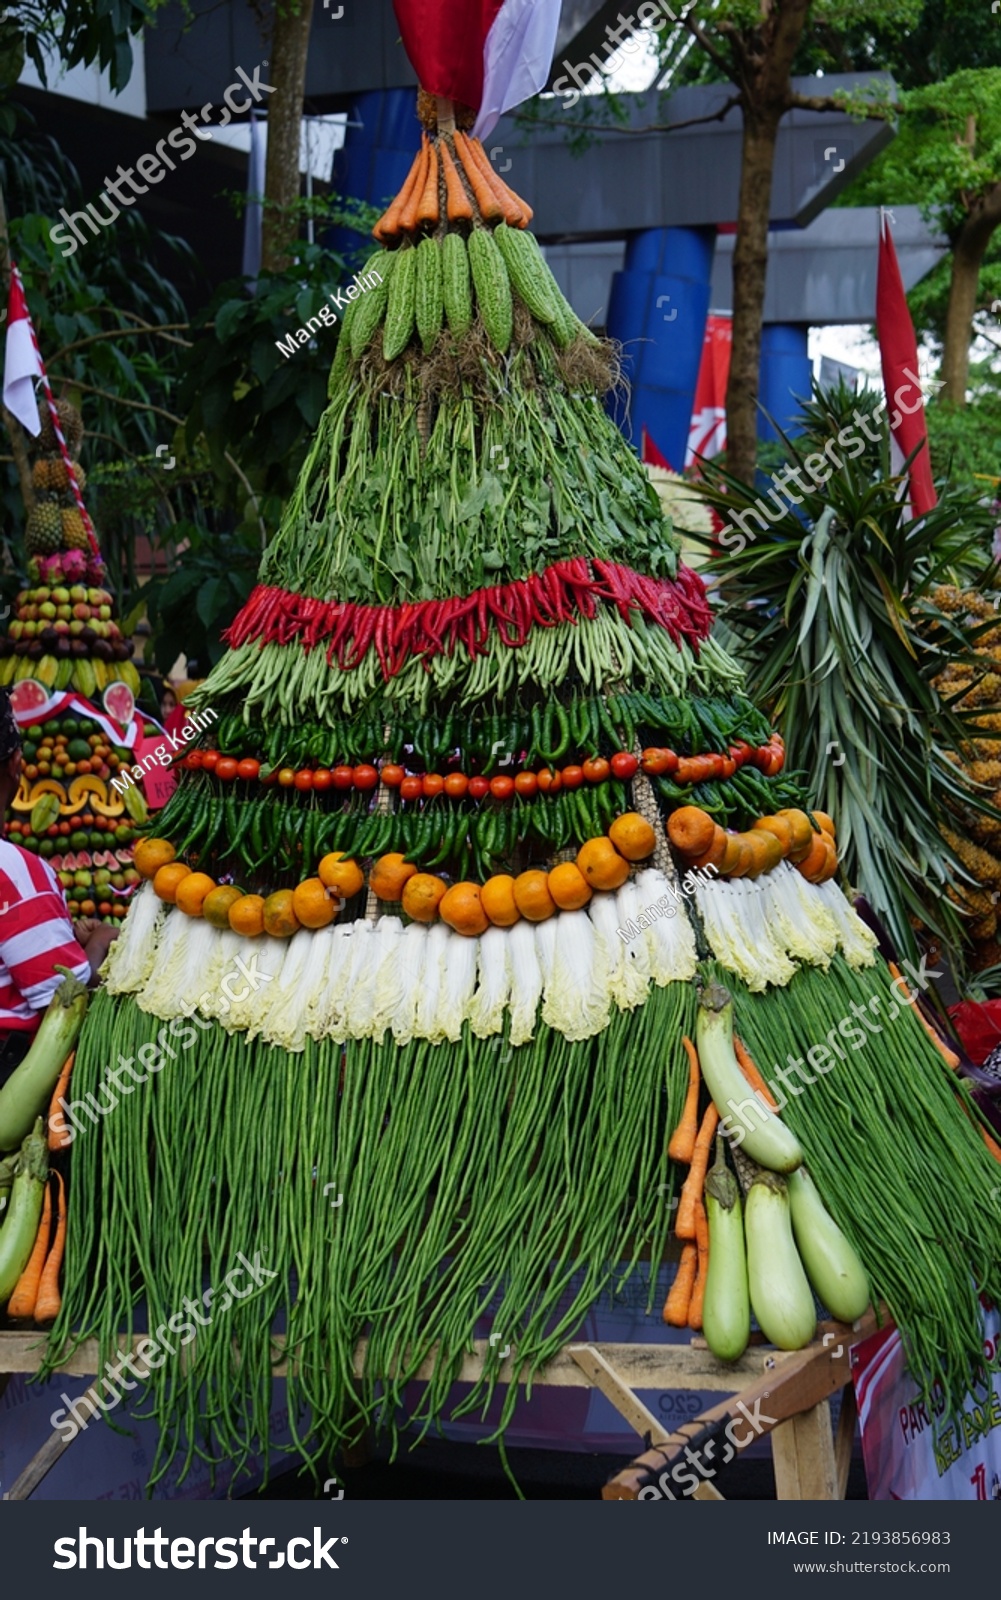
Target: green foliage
<point>83,32</point>
<point>211,578</point>
<point>964,439</point>
<point>831,610</point>
<point>241,393</point>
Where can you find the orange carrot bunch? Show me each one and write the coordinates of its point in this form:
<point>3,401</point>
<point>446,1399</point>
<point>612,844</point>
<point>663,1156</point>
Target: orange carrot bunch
<point>452,172</point>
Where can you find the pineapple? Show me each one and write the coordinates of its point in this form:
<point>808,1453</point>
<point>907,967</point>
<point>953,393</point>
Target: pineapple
<point>71,423</point>
<point>74,534</point>
<point>43,534</point>
<point>50,476</point>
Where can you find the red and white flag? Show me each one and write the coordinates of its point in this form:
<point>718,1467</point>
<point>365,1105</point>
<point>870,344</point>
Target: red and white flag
<point>22,363</point>
<point>905,400</point>
<point>487,54</point>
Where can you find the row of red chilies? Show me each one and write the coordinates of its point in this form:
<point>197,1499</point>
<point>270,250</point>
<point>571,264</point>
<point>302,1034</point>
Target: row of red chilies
<point>564,592</point>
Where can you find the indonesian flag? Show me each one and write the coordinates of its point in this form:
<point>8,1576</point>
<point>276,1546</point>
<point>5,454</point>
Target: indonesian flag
<point>487,54</point>
<point>901,382</point>
<point>22,364</point>
<point>651,454</point>
<point>707,433</point>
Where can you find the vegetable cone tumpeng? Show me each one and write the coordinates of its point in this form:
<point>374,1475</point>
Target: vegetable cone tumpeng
<point>473,662</point>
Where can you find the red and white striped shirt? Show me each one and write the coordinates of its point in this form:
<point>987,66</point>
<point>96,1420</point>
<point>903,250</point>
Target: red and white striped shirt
<point>35,935</point>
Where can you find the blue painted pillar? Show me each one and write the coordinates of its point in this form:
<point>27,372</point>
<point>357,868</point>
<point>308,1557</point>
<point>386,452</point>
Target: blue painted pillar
<point>657,310</point>
<point>786,374</point>
<point>375,157</point>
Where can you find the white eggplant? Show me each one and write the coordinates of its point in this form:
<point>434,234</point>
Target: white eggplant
<point>726,1309</point>
<point>744,1116</point>
<point>832,1266</point>
<point>781,1297</point>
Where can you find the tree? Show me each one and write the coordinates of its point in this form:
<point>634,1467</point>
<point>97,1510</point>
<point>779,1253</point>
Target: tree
<point>947,159</point>
<point>289,43</point>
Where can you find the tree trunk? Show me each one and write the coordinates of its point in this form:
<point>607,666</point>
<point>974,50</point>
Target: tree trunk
<point>967,257</point>
<point>750,264</point>
<point>287,71</point>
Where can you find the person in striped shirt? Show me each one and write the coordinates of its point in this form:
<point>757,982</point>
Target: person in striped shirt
<point>36,934</point>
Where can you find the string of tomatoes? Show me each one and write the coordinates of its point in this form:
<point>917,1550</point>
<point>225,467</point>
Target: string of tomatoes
<point>655,761</point>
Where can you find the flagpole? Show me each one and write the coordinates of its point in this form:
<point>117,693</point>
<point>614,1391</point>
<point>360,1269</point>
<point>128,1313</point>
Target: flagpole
<point>15,432</point>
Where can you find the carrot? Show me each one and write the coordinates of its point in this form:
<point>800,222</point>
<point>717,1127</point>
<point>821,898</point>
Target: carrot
<point>49,1298</point>
<point>429,209</point>
<point>948,1056</point>
<point>408,215</point>
<point>702,1251</point>
<point>691,1194</point>
<point>514,210</point>
<point>388,225</point>
<point>459,208</point>
<point>56,1122</point>
<point>21,1305</point>
<point>483,193</point>
<point>752,1074</point>
<point>991,1143</point>
<point>683,1138</point>
<point>676,1305</point>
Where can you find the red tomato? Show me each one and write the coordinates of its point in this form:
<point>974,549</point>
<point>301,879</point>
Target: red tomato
<point>322,778</point>
<point>596,769</point>
<point>344,777</point>
<point>654,760</point>
<point>226,768</point>
<point>209,759</point>
<point>64,828</point>
<point>741,752</point>
<point>193,759</point>
<point>366,777</point>
<point>672,762</point>
<point>572,777</point>
<point>478,787</point>
<point>392,775</point>
<point>269,776</point>
<point>304,779</point>
<point>549,782</point>
<point>727,767</point>
<point>624,765</point>
<point>502,788</point>
<point>432,783</point>
<point>456,785</point>
<point>411,789</point>
<point>248,768</point>
<point>526,784</point>
<point>287,777</point>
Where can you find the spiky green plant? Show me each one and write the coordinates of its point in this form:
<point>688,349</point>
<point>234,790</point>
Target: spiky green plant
<point>831,613</point>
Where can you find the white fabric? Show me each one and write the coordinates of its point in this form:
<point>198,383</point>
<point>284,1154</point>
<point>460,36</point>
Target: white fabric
<point>517,57</point>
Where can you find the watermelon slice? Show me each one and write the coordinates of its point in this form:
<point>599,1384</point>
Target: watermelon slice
<point>70,862</point>
<point>84,859</point>
<point>29,695</point>
<point>124,856</point>
<point>120,703</point>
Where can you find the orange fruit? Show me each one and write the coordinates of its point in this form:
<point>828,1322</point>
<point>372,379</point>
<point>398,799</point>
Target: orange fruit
<point>765,850</point>
<point>815,863</point>
<point>824,822</point>
<point>279,915</point>
<point>601,863</point>
<point>338,872</point>
<point>152,854</point>
<point>314,904</point>
<point>802,833</point>
<point>745,858</point>
<point>216,907</point>
<point>422,895</point>
<point>779,827</point>
<point>569,887</point>
<point>633,836</point>
<point>690,830</point>
<point>713,855</point>
<point>731,855</point>
<point>497,899</point>
<point>246,915</point>
<point>532,896</point>
<point>192,891</point>
<point>389,874</point>
<point>462,909</point>
<point>168,878</point>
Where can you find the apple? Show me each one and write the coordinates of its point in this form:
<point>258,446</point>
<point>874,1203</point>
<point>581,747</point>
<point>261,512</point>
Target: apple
<point>61,596</point>
<point>47,610</point>
<point>64,613</point>
<point>30,629</point>
<point>16,629</point>
<point>82,611</point>
<point>96,596</point>
<point>62,627</point>
<point>104,613</point>
<point>76,628</point>
<point>22,597</point>
<point>43,594</point>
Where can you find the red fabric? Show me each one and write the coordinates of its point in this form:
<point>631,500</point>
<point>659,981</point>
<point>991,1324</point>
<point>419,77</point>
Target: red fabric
<point>444,40</point>
<point>899,355</point>
<point>979,1027</point>
<point>652,455</point>
<point>36,935</point>
<point>707,431</point>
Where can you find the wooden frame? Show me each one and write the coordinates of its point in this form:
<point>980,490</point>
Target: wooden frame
<point>810,1464</point>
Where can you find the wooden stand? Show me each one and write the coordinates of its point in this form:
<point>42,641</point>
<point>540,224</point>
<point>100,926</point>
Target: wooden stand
<point>788,1395</point>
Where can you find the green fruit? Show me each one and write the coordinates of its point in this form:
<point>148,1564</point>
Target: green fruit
<point>30,843</point>
<point>82,879</point>
<point>29,750</point>
<point>124,835</point>
<point>79,840</point>
<point>46,847</point>
<point>78,750</point>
